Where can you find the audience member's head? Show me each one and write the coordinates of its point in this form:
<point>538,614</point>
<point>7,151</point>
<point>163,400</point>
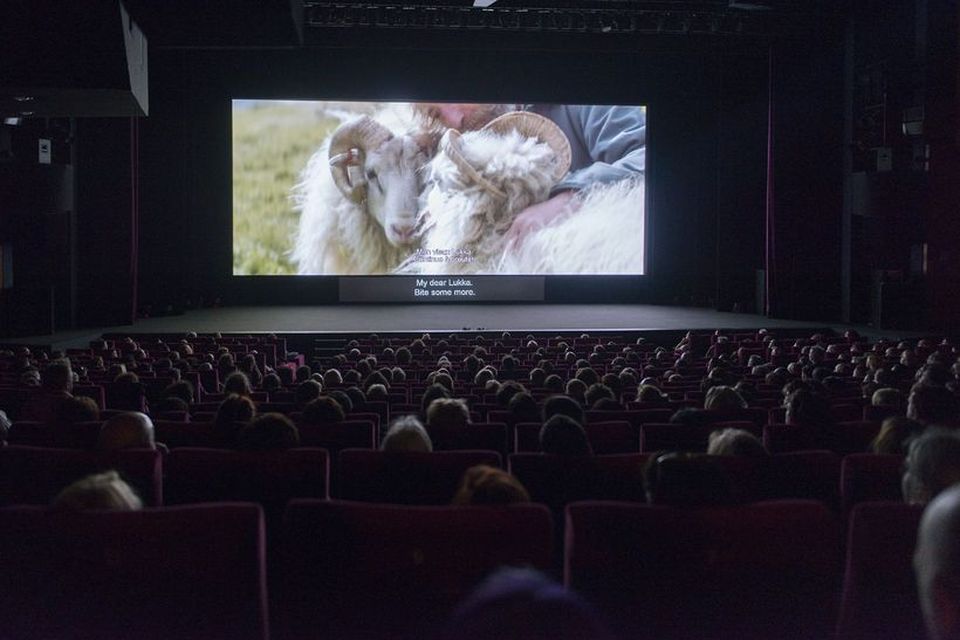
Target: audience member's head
<point>484,485</point>
<point>507,390</point>
<point>936,563</point>
<point>376,393</point>
<point>271,383</point>
<point>932,465</point>
<point>895,435</point>
<point>182,389</point>
<point>564,436</point>
<point>407,434</point>
<point>929,404</point>
<point>131,430</point>
<point>357,397</point>
<point>76,409</point>
<point>430,394</point>
<point>563,405</point>
<point>735,442</point>
<point>522,603</point>
<point>323,410</point>
<point>238,383</point>
<point>596,391</point>
<point>232,414</point>
<point>448,412</point>
<point>887,397</point>
<point>307,391</point>
<point>58,376</point>
<point>808,409</point>
<point>269,432</point>
<point>523,408</point>
<point>99,491</point>
<point>723,398</point>
<point>343,399</point>
<point>650,393</point>
<point>576,389</point>
<point>553,383</point>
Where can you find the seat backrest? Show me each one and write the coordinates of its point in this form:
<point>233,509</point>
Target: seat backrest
<point>683,437</point>
<point>867,476</point>
<point>335,436</point>
<point>80,435</point>
<point>35,475</point>
<point>764,570</point>
<point>807,475</point>
<point>853,437</point>
<point>175,434</point>
<point>477,437</point>
<point>359,570</point>
<point>613,436</point>
<point>271,478</point>
<point>406,478</point>
<point>558,480</point>
<point>185,572</point>
<point>879,590</point>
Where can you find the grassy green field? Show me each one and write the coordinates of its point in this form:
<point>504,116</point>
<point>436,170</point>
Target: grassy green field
<point>271,145</point>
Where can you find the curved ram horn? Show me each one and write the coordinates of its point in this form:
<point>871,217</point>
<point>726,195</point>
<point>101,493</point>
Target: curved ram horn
<point>534,125</point>
<point>348,147</point>
<point>450,144</point>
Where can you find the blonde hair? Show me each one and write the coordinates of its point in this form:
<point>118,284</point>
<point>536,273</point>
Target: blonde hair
<point>99,491</point>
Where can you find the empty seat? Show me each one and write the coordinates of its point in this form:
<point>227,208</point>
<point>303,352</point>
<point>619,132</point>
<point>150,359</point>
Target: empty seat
<point>879,590</point>
<point>868,476</point>
<point>186,572</point>
<point>808,475</point>
<point>767,570</point>
<point>385,571</point>
<point>558,480</point>
<point>35,475</point>
<point>406,478</point>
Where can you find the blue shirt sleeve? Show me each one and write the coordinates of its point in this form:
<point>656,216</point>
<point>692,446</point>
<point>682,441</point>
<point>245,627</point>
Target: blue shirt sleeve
<point>616,139</point>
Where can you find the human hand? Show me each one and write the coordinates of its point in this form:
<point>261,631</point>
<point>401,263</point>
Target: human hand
<point>540,215</point>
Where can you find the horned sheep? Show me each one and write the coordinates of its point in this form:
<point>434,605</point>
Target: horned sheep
<point>358,199</point>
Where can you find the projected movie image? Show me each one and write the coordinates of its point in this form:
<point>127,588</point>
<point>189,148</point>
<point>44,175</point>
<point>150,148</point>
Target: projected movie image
<point>374,188</point>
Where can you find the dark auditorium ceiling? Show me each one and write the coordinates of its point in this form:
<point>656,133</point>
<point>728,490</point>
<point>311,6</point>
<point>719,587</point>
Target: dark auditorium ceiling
<point>289,23</point>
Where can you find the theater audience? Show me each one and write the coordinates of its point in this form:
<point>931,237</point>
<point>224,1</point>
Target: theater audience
<point>130,430</point>
<point>406,434</point>
<point>887,397</point>
<point>99,491</point>
<point>127,394</point>
<point>76,409</point>
<point>376,393</point>
<point>485,485</point>
<point>56,386</point>
<point>182,390</point>
<point>306,391</point>
<point>723,398</point>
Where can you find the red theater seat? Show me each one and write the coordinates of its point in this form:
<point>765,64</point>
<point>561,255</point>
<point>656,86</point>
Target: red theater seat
<point>476,437</point>
<point>187,572</point>
<point>879,590</point>
<point>558,480</point>
<point>868,477</point>
<point>406,478</point>
<point>767,570</point>
<point>35,475</point>
<point>610,437</point>
<point>269,478</point>
<point>80,435</point>
<point>175,433</point>
<point>684,437</point>
<point>335,436</point>
<point>384,571</point>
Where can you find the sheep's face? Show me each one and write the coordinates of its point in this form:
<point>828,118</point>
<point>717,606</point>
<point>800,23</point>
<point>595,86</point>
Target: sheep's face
<point>393,176</point>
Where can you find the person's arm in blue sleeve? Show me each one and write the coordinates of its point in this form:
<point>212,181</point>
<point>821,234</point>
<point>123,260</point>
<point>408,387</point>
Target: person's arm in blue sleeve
<point>617,141</point>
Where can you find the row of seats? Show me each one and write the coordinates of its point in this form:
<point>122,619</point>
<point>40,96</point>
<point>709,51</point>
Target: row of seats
<point>606,437</point>
<point>33,475</point>
<point>345,569</point>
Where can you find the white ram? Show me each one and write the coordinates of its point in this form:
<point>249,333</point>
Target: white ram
<point>358,200</point>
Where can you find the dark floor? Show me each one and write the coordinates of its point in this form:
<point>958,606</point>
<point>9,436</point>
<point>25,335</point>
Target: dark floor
<point>446,317</point>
